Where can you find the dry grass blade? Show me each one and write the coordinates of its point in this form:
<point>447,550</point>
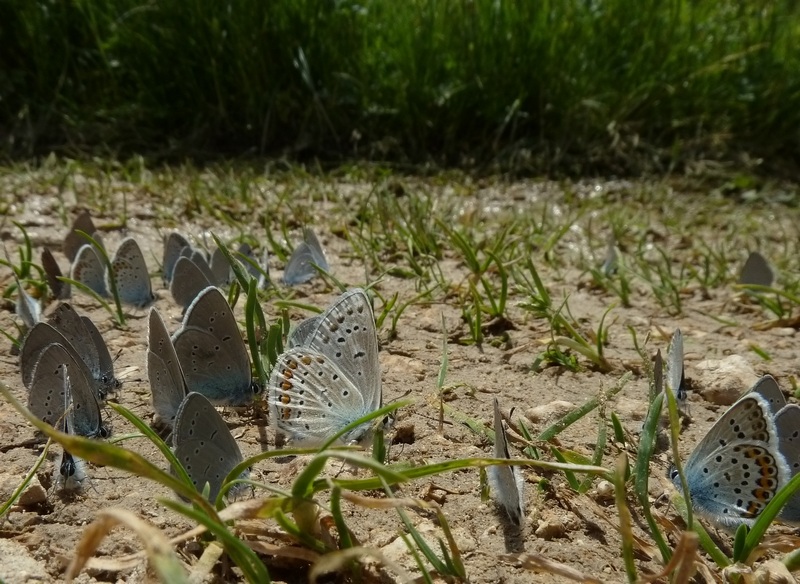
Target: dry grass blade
<point>784,543</point>
<point>772,572</point>
<point>337,561</point>
<point>284,551</point>
<point>239,510</point>
<point>683,563</point>
<point>208,560</point>
<point>536,563</point>
<point>158,549</point>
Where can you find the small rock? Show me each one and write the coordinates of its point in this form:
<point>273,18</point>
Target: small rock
<point>551,411</point>
<point>33,494</point>
<point>550,529</point>
<point>723,381</point>
<point>404,434</point>
<point>401,365</point>
<point>604,492</point>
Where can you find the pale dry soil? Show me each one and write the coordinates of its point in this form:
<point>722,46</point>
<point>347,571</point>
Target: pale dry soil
<point>579,531</point>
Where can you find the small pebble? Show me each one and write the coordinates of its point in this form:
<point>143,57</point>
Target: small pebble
<point>33,494</point>
<point>724,381</point>
<point>551,411</point>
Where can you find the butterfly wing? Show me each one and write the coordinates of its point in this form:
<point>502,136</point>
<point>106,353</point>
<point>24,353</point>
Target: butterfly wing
<point>301,333</point>
<point>84,417</point>
<point>506,481</point>
<point>88,269</point>
<point>299,268</point>
<point>167,385</point>
<point>212,353</point>
<point>188,281</point>
<point>675,371</point>
<point>28,308</point>
<point>130,271</point>
<point>346,333</point>
<point>768,388</point>
<point>39,337</point>
<point>109,382</point>
<point>787,421</point>
<point>220,268</point>
<point>756,270</point>
<point>317,254</point>
<point>173,247</point>
<point>737,468</point>
<point>74,241</point>
<point>69,323</point>
<point>198,257</point>
<point>204,444</point>
<point>48,392</point>
<point>311,399</point>
<point>52,271</point>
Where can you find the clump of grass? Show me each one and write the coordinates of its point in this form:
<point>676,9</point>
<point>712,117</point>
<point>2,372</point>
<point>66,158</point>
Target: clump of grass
<point>572,87</point>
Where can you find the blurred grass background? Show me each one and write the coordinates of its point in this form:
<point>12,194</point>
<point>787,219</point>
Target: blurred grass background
<point>564,86</point>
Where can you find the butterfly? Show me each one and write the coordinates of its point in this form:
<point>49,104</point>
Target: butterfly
<point>167,384</point>
<point>80,337</point>
<point>74,240</point>
<point>28,309</point>
<point>70,471</point>
<point>212,353</point>
<point>173,246</point>
<point>47,395</point>
<point>130,272</point>
<point>88,269</point>
<point>675,374</point>
<point>60,289</point>
<point>306,255</point>
<point>204,445</point>
<point>740,464</point>
<point>188,280</point>
<point>506,481</point>
<point>333,378</point>
<point>756,270</point>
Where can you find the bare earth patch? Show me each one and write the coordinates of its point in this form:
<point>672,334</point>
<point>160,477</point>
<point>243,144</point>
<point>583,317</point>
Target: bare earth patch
<point>680,252</point>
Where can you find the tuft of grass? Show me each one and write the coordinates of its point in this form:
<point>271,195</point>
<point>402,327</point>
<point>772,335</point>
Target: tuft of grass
<point>560,87</point>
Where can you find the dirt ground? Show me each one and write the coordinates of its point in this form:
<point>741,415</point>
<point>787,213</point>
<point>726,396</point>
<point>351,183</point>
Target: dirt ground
<point>580,531</point>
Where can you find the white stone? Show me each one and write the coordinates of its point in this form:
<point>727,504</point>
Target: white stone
<point>723,381</point>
